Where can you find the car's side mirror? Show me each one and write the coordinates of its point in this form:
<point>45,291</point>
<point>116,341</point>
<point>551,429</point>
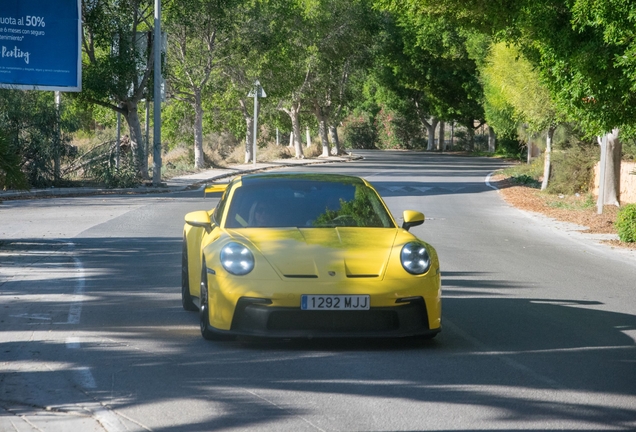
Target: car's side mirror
<point>412,218</point>
<point>215,188</point>
<point>200,219</point>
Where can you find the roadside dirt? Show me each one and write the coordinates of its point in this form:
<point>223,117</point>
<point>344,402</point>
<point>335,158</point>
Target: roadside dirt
<point>571,209</point>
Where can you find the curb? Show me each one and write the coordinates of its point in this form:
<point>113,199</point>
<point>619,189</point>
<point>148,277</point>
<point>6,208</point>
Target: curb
<point>176,184</point>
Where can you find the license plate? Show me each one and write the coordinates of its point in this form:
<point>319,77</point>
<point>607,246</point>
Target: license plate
<point>334,302</point>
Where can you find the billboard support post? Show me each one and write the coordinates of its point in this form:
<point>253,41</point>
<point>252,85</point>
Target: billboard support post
<point>156,165</point>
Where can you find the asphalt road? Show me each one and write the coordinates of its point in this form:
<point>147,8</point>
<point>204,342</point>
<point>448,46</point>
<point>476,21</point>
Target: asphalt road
<point>539,325</point>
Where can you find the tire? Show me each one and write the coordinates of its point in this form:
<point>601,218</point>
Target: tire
<point>204,311</point>
<point>186,298</point>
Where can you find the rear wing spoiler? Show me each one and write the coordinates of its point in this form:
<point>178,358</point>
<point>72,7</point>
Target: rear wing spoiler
<point>215,188</point>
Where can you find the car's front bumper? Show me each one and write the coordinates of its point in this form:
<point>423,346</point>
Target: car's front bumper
<point>255,317</point>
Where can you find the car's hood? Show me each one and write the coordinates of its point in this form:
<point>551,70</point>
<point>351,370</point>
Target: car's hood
<point>322,252</point>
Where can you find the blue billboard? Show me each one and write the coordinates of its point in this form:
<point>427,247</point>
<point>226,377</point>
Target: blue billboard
<point>40,45</point>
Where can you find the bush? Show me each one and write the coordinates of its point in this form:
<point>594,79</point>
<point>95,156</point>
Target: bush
<point>359,133</point>
<point>104,172</point>
<point>527,174</point>
<point>526,180</point>
<point>572,169</point>
<point>626,223</point>
<point>509,148</point>
<point>397,131</point>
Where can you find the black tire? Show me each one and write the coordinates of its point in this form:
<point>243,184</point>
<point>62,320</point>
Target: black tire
<point>186,298</point>
<point>204,311</point>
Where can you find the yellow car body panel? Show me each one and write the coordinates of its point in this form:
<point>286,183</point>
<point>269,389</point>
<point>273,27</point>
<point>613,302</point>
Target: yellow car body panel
<point>290,262</point>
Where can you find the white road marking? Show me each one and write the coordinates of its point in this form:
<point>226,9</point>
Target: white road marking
<point>488,182</point>
<point>72,343</point>
<point>32,316</point>
<point>75,312</point>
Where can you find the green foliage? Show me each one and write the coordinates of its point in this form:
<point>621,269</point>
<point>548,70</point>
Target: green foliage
<point>29,124</point>
<point>359,133</point>
<point>424,61</point>
<point>177,120</point>
<point>527,180</point>
<point>357,212</point>
<point>397,130</point>
<point>525,172</point>
<point>10,174</point>
<point>574,202</point>
<point>629,149</point>
<point>509,148</point>
<point>626,223</point>
<point>104,171</point>
<point>572,169</point>
<point>514,88</point>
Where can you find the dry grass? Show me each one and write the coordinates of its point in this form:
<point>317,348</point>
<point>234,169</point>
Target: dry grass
<point>580,210</point>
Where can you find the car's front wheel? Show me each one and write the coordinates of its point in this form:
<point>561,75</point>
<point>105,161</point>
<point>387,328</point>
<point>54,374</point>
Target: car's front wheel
<point>204,311</point>
<point>186,298</point>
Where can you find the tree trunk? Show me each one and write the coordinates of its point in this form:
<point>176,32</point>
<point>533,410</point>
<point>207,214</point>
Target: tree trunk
<point>442,132</point>
<point>249,140</point>
<point>249,135</point>
<point>492,140</point>
<point>198,131</point>
<point>293,115</point>
<point>136,139</point>
<point>470,131</point>
<point>322,130</point>
<point>612,169</point>
<point>430,130</point>
<point>547,157</point>
<point>333,133</point>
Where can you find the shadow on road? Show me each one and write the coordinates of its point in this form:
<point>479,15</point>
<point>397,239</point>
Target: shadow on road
<point>145,350</point>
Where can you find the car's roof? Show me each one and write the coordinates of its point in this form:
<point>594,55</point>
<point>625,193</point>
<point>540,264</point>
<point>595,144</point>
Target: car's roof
<point>258,177</point>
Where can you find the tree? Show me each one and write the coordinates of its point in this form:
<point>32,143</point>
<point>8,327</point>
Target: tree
<point>11,176</point>
<point>118,62</point>
<point>425,60</point>
<point>344,33</point>
<point>582,50</point>
<point>200,33</point>
<point>30,142</point>
<point>509,75</point>
<point>268,45</point>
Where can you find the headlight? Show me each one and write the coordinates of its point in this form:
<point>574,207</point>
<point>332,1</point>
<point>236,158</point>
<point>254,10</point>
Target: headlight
<point>237,259</point>
<point>415,258</point>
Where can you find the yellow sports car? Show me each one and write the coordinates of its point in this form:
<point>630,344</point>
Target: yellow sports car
<point>308,255</point>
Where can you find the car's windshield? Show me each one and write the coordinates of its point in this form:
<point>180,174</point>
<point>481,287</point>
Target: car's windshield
<point>294,202</point>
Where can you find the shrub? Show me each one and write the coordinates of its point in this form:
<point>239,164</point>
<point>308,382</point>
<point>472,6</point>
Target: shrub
<point>626,223</point>
<point>572,169</point>
<point>509,148</point>
<point>103,171</point>
<point>398,131</point>
<point>527,180</point>
<point>527,174</point>
<point>359,133</point>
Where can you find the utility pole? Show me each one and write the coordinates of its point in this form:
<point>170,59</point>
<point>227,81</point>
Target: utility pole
<point>256,92</point>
